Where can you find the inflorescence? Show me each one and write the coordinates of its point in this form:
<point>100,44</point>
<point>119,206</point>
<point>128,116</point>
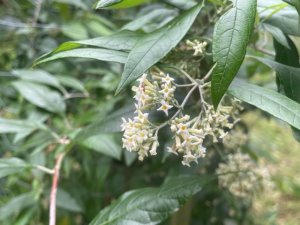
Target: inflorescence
<point>155,91</point>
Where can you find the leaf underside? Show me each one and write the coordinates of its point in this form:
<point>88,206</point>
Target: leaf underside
<point>267,100</point>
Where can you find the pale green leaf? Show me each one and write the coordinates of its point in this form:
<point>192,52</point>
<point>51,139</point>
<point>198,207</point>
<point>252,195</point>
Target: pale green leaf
<point>78,3</point>
<point>277,34</point>
<point>231,36</point>
<point>15,205</point>
<point>90,53</point>
<point>182,4</point>
<point>147,18</point>
<point>123,40</point>
<point>38,76</point>
<point>279,14</point>
<point>41,96</point>
<point>154,46</point>
<point>150,205</point>
<point>71,82</point>
<point>17,126</point>
<point>296,4</point>
<point>10,166</point>
<point>267,100</point>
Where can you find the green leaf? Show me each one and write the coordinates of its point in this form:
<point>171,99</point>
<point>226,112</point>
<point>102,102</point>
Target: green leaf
<point>288,56</point>
<point>105,144</point>
<point>118,4</point>
<point>15,205</point>
<point>280,15</point>
<point>231,36</point>
<point>277,34</point>
<point>154,46</point>
<point>110,124</point>
<point>123,40</point>
<point>10,166</point>
<point>150,205</point>
<point>296,4</point>
<point>78,3</point>
<point>66,201</point>
<point>289,77</point>
<point>267,100</point>
<point>17,126</point>
<point>91,53</point>
<point>41,96</point>
<point>147,18</point>
<point>38,76</point>
<point>182,4</point>
<point>71,82</point>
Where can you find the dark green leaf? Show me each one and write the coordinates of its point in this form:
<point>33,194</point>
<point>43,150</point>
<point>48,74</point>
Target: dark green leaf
<point>154,46</point>
<point>267,100</point>
<point>41,96</point>
<point>150,205</point>
<point>10,166</point>
<point>66,201</point>
<point>231,35</point>
<point>105,144</point>
<point>289,77</point>
<point>91,53</point>
<point>288,56</point>
<point>109,125</point>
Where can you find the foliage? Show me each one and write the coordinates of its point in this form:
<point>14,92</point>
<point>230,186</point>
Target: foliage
<point>66,71</point>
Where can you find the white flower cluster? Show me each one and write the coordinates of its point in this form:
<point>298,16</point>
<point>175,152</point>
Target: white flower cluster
<point>214,122</point>
<point>158,93</point>
<point>198,47</point>
<point>235,139</point>
<point>242,176</point>
<point>188,140</point>
<point>161,92</point>
<point>139,135</point>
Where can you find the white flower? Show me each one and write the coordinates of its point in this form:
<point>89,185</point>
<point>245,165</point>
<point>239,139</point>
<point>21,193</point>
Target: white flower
<point>167,79</point>
<point>154,148</point>
<point>164,107</point>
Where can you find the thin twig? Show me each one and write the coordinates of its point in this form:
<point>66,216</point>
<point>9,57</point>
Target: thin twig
<point>38,6</point>
<point>52,210</point>
<point>209,73</point>
<point>180,107</point>
<point>44,169</point>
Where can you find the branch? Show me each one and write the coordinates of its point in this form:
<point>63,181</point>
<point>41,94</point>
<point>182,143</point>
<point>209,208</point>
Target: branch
<point>52,211</point>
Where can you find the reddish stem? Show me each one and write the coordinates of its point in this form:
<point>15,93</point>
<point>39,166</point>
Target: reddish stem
<point>52,211</point>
